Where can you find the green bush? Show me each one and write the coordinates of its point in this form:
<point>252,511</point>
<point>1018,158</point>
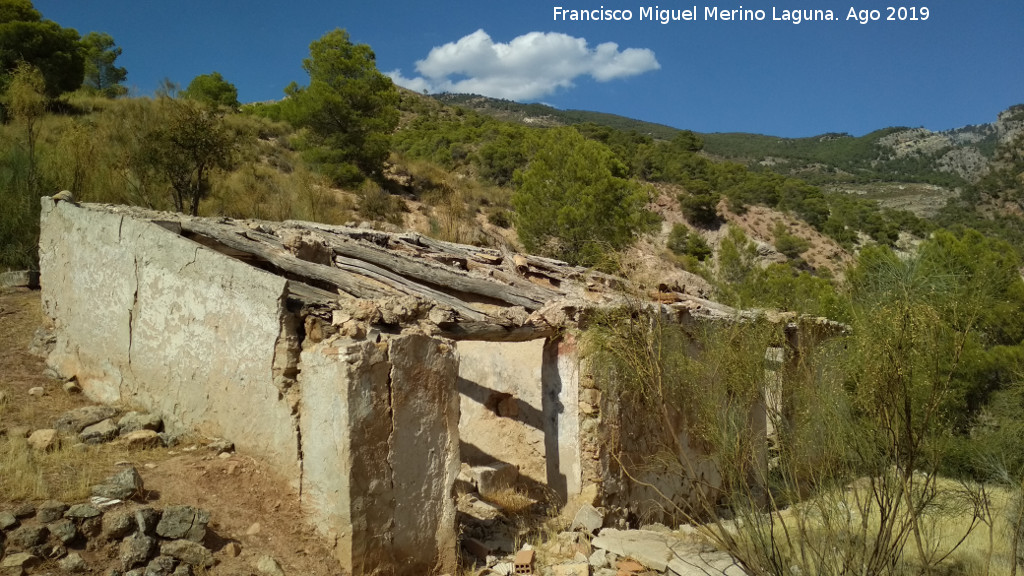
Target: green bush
<point>701,207</point>
<point>500,218</point>
<point>573,202</point>
<point>684,242</point>
<point>789,245</point>
<point>212,90</point>
<point>349,109</point>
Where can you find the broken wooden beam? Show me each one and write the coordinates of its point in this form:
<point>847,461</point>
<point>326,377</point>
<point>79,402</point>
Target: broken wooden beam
<point>531,299</point>
<point>284,261</point>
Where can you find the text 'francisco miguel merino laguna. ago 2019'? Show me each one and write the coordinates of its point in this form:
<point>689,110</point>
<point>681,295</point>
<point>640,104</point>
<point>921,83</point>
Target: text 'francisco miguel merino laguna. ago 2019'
<point>714,13</point>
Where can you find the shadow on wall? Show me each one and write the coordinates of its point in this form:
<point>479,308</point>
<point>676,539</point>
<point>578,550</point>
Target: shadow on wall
<point>497,402</point>
<point>538,490</point>
<point>554,410</point>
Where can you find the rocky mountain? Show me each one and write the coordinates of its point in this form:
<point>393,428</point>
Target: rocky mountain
<point>914,169</point>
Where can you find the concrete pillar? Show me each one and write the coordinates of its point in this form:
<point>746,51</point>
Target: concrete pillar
<point>424,453</point>
<point>379,428</point>
<point>560,406</point>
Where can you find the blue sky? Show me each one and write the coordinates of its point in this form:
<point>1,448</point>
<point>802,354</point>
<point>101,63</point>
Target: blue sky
<point>962,65</point>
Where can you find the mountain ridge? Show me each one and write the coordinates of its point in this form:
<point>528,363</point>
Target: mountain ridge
<point>949,158</point>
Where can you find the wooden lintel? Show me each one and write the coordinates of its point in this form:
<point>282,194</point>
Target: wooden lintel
<point>491,332</point>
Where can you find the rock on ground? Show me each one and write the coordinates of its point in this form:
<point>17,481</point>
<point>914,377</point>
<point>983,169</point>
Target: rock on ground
<point>136,550</point>
<point>76,420</point>
<point>588,519</point>
<point>188,551</point>
<point>574,569</point>
<point>183,522</point>
<point>140,439</point>
<point>44,440</point>
<point>19,562</point>
<point>161,566</point>
<point>135,421</point>
<point>147,519</point>
<point>73,563</point>
<point>7,520</point>
<point>100,432</point>
<point>27,537</point>
<point>267,566</point>
<point>118,524</point>
<point>64,529</point>
<point>50,511</point>
<point>82,511</point>
<point>121,486</point>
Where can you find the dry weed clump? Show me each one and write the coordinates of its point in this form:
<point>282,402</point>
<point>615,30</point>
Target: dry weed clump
<point>510,500</point>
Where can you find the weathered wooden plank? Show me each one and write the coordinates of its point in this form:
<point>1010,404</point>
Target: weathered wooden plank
<point>342,240</point>
<point>348,282</point>
<point>531,299</point>
<point>311,295</point>
<point>407,286</point>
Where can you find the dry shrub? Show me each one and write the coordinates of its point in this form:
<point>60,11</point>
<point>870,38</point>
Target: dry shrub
<point>376,204</point>
<point>511,501</point>
<point>261,192</point>
<point>870,407</point>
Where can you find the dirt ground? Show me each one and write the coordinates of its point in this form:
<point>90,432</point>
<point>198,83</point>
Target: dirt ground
<point>248,504</point>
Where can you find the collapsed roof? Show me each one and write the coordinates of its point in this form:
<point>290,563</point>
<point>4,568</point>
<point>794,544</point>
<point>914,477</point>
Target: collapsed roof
<point>350,277</point>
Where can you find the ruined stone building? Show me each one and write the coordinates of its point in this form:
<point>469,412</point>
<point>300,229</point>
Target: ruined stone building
<point>365,366</point>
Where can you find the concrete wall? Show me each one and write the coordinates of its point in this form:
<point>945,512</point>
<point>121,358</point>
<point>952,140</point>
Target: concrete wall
<point>146,317</point>
<point>367,431</point>
<point>379,425</point>
<point>519,404</point>
<point>502,407</point>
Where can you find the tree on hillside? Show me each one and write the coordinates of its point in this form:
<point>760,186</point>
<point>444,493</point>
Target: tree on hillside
<point>213,90</point>
<point>349,108</point>
<point>190,144</point>
<point>101,74</point>
<point>26,37</point>
<point>572,201</point>
<point>25,100</point>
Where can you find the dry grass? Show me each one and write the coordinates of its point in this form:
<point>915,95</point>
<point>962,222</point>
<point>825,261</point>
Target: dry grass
<point>65,474</point>
<point>511,501</point>
<point>68,472</point>
<point>832,522</point>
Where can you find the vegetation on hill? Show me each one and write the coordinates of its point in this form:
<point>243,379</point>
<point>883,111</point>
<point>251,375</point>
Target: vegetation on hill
<point>542,113</point>
<point>574,202</point>
<point>995,204</point>
<point>25,37</point>
<point>827,158</point>
<point>832,158</point>
<point>347,111</point>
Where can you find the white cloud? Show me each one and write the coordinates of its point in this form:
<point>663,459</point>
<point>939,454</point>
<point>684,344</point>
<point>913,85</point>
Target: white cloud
<point>530,66</point>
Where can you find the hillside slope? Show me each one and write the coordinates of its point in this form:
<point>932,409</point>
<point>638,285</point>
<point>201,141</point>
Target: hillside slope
<point>902,168</point>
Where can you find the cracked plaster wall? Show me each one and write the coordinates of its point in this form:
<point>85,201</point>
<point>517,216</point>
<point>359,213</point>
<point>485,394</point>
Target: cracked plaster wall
<point>144,317</point>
